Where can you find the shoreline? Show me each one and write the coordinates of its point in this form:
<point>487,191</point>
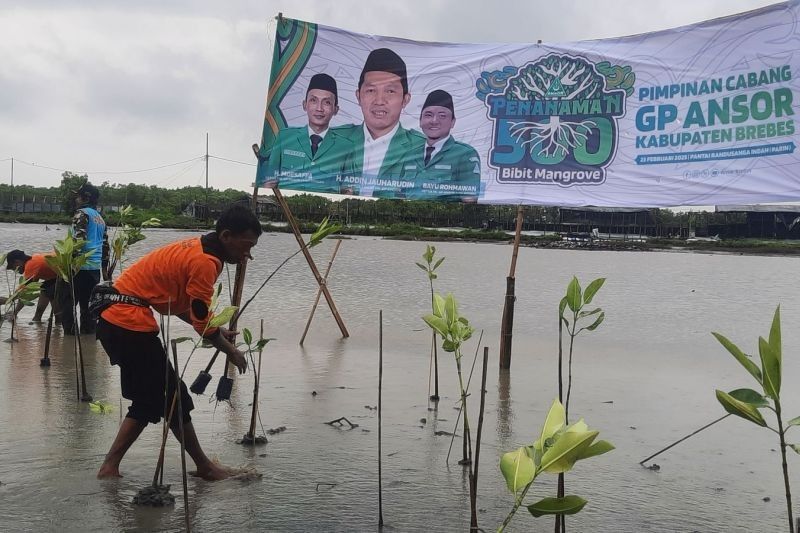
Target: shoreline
<point>410,232</point>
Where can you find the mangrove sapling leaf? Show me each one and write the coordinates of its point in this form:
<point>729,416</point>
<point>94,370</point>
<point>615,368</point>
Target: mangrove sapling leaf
<point>775,338</point>
<point>741,409</point>
<point>261,343</point>
<point>423,267</point>
<point>439,262</point>
<point>574,295</point>
<point>794,421</point>
<point>584,314</point>
<point>770,368</point>
<point>565,451</point>
<point>750,396</point>
<point>795,447</point>
<point>518,469</point>
<point>548,506</point>
<point>437,323</point>
<point>323,230</point>
<point>597,322</point>
<point>450,310</point>
<point>740,356</point>
<point>247,336</point>
<point>555,451</point>
<point>183,339</point>
<point>223,317</point>
<point>592,289</point>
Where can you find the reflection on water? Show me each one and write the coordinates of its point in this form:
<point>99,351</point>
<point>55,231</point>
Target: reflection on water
<point>645,378</point>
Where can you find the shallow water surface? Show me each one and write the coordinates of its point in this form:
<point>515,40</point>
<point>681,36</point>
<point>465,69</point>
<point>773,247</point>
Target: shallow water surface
<point>645,378</point>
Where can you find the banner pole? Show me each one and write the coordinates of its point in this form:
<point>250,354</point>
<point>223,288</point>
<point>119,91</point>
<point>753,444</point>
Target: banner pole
<point>319,292</point>
<point>320,280</point>
<point>507,322</point>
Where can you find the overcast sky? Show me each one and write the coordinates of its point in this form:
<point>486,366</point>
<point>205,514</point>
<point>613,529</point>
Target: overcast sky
<point>109,86</point>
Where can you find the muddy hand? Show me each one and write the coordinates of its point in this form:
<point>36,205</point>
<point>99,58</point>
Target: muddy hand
<point>239,361</point>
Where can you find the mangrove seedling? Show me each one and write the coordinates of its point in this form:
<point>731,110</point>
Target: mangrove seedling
<point>556,451</point>
<point>252,348</point>
<point>25,294</point>
<point>746,403</point>
<point>430,266</point>
<point>576,301</point>
<point>66,262</point>
<point>124,236</point>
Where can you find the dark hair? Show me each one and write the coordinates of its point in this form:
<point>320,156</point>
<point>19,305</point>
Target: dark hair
<point>238,218</point>
<point>89,192</point>
<point>14,256</point>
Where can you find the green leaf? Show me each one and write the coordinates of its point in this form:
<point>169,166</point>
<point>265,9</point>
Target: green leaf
<point>450,310</point>
<point>794,421</point>
<point>795,447</point>
<point>222,318</point>
<point>741,409</point>
<point>438,324</point>
<point>561,306</point>
<point>584,314</point>
<point>568,448</point>
<point>261,343</point>
<point>438,305</point>
<point>518,469</point>
<point>553,422</point>
<point>739,355</point>
<point>435,266</point>
<point>182,339</point>
<point>750,396</point>
<point>574,295</point>
<point>423,267</point>
<point>592,289</point>
<point>597,448</point>
<point>247,336</point>
<point>548,506</point>
<point>449,346</point>
<point>775,337</point>
<point>597,322</point>
<point>432,276</point>
<point>771,368</point>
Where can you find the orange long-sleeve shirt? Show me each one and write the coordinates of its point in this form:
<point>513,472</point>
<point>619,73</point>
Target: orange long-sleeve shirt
<point>170,278</point>
<point>36,268</point>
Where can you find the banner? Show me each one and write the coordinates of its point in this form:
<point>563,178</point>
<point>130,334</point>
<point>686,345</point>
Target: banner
<point>698,115</point>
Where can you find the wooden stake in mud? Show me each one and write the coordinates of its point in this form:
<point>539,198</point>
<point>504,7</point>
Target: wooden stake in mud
<point>507,324</point>
<point>180,432</point>
<point>319,291</point>
<point>310,260</point>
<point>473,495</point>
<point>380,409</point>
<point>45,361</point>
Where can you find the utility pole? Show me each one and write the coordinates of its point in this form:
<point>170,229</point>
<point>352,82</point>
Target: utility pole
<point>12,172</point>
<point>208,206</point>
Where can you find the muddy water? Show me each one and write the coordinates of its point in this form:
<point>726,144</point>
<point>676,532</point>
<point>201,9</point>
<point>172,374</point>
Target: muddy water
<point>653,358</point>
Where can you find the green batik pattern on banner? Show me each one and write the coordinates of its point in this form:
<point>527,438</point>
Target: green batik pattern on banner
<point>294,42</point>
<point>555,119</point>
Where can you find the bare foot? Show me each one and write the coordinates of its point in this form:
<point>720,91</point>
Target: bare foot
<point>108,472</point>
<point>212,472</point>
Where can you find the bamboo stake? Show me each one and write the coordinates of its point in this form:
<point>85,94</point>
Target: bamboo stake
<point>507,321</point>
<point>319,291</point>
<point>180,431</point>
<point>160,461</point>
<point>310,260</point>
<point>473,495</point>
<point>460,409</point>
<point>45,361</point>
<point>643,461</point>
<point>380,410</point>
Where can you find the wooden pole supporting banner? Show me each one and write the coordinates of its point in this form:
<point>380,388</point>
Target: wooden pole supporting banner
<point>507,322</point>
<point>319,292</point>
<point>320,280</point>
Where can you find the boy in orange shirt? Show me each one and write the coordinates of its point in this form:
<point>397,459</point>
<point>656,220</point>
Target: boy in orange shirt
<point>34,268</point>
<point>177,279</point>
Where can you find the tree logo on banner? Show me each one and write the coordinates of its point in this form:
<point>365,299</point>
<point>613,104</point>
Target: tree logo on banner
<point>555,119</point>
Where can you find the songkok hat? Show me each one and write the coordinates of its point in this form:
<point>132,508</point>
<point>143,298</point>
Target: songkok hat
<point>384,60</point>
<point>324,82</point>
<point>439,98</point>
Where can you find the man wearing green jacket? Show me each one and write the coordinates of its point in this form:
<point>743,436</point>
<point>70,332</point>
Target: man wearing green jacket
<point>443,168</point>
<point>311,158</point>
<point>381,145</point>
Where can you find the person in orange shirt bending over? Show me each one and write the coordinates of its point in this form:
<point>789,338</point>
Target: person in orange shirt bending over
<point>177,279</point>
<point>34,268</point>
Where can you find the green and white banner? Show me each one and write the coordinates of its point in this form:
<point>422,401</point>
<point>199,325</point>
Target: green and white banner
<point>698,115</point>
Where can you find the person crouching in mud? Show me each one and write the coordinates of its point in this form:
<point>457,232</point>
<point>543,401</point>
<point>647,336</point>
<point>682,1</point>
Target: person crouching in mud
<point>177,279</point>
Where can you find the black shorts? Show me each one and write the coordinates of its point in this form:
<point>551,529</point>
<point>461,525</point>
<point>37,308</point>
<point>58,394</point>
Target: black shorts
<point>48,288</point>
<point>142,361</point>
